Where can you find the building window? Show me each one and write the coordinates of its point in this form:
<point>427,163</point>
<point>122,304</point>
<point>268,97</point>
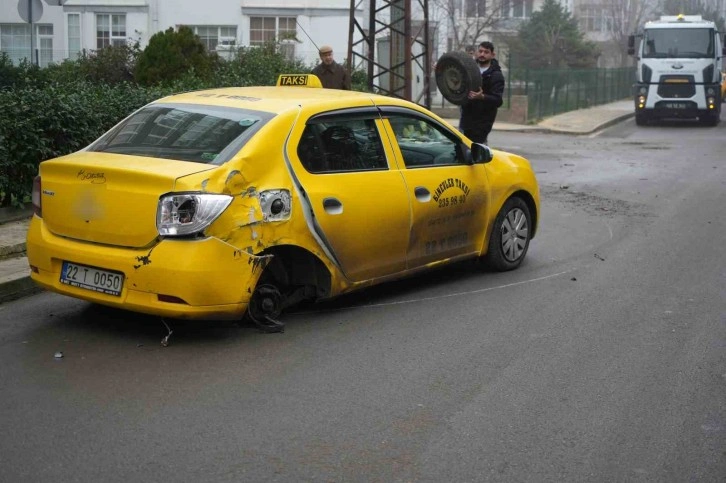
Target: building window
<point>475,8</point>
<point>517,8</point>
<point>74,35</point>
<point>15,41</point>
<point>44,44</point>
<point>275,29</point>
<point>110,30</point>
<point>214,35</point>
<point>522,8</point>
<point>595,19</point>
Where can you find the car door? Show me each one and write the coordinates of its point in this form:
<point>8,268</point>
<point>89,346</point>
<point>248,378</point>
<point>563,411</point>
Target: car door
<point>449,195</point>
<point>360,207</point>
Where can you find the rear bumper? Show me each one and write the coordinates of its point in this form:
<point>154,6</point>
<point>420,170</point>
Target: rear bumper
<point>206,278</point>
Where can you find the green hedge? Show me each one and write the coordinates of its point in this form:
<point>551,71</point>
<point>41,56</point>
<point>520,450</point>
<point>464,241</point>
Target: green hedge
<point>40,123</point>
<point>57,110</point>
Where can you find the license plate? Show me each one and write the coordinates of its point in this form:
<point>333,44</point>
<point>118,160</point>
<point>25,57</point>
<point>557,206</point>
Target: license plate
<point>676,105</point>
<point>90,278</point>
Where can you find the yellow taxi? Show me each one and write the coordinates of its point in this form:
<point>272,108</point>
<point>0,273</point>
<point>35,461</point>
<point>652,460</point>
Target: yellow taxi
<point>234,201</point>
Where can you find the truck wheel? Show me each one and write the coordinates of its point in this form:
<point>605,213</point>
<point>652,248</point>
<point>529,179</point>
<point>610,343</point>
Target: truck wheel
<point>641,118</point>
<point>456,75</point>
<point>710,119</point>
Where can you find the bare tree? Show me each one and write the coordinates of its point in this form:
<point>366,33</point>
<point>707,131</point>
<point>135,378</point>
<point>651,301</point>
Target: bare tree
<point>468,20</point>
<point>627,17</point>
<point>708,9</point>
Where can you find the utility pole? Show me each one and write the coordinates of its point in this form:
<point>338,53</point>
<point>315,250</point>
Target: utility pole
<point>32,37</point>
<point>402,45</point>
<point>31,11</point>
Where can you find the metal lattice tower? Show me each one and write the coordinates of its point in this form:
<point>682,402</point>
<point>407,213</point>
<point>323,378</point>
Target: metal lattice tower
<point>402,45</point>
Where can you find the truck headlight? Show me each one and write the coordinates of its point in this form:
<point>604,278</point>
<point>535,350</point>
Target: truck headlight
<point>182,214</point>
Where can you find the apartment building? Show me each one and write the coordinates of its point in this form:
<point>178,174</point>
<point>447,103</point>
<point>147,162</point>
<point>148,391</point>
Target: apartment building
<point>53,30</point>
<point>61,29</point>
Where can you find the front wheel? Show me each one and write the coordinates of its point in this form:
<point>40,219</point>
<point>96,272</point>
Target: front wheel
<point>510,237</point>
<point>641,118</point>
<point>710,119</point>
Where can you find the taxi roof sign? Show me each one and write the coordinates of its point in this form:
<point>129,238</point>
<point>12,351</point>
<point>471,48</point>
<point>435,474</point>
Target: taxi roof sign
<point>299,80</point>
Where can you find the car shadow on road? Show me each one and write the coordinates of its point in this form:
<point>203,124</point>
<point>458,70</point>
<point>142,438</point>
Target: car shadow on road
<point>103,323</point>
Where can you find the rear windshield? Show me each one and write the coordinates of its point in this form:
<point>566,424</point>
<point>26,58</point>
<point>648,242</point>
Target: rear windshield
<point>187,132</point>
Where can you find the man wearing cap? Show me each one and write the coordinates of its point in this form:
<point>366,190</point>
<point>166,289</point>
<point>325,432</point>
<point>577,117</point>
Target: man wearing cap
<point>331,74</point>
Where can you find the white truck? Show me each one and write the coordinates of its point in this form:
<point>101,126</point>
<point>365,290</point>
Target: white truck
<point>678,72</point>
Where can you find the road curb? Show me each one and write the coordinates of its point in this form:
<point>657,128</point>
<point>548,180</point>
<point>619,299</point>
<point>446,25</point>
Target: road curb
<point>18,288</point>
<point>575,132</point>
<point>613,121</point>
<point>8,250</point>
<point>9,214</point>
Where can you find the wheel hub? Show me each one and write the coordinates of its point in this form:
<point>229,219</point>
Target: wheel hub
<point>266,304</point>
<point>514,234</point>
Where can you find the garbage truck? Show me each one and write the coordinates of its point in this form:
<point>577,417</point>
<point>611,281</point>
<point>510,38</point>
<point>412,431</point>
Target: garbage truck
<point>679,60</point>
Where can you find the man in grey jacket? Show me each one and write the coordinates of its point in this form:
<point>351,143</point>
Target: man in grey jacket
<point>331,74</point>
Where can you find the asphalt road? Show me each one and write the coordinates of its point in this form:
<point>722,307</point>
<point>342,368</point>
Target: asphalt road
<point>601,359</point>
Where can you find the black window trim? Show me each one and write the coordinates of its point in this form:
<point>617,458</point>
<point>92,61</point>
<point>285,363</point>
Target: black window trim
<point>406,112</point>
<point>386,111</point>
<point>364,113</point>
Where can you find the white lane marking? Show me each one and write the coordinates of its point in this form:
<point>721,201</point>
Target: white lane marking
<point>470,292</point>
<point>438,297</point>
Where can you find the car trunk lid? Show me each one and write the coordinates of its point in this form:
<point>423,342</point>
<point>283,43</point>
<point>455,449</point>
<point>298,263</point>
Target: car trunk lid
<point>108,198</point>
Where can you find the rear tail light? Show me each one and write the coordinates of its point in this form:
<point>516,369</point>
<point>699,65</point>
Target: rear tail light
<point>36,198</point>
<point>188,213</point>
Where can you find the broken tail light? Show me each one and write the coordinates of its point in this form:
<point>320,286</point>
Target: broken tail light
<point>183,214</point>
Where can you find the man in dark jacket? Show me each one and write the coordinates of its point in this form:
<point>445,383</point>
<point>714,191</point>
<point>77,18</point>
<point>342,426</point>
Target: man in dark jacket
<point>331,74</point>
<point>479,112</point>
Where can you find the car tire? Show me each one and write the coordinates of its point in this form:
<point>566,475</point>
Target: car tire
<point>510,236</point>
<point>457,74</point>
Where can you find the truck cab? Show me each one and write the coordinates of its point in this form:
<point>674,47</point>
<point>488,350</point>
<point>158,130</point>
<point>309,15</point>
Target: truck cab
<point>678,71</point>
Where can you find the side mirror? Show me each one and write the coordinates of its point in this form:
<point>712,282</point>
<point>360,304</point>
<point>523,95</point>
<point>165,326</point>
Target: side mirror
<point>481,153</point>
<point>631,44</point>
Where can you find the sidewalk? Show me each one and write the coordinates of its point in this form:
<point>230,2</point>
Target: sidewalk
<point>15,275</point>
<point>580,122</point>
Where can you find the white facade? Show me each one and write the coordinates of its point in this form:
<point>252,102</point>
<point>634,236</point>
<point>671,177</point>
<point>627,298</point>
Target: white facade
<point>63,31</point>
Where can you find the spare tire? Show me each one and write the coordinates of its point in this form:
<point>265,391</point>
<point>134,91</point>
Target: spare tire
<point>457,74</point>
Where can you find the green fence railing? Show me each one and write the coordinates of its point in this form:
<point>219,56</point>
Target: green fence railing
<point>554,91</point>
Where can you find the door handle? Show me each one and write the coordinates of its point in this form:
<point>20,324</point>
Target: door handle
<point>332,206</point>
<point>422,194</point>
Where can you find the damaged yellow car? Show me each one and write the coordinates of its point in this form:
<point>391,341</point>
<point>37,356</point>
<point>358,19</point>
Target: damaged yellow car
<point>226,202</point>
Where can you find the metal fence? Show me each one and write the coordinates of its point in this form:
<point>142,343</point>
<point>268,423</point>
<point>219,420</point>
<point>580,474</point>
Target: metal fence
<point>554,91</point>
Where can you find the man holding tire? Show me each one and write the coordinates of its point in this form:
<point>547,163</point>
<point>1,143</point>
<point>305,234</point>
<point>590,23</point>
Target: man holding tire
<point>479,112</point>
